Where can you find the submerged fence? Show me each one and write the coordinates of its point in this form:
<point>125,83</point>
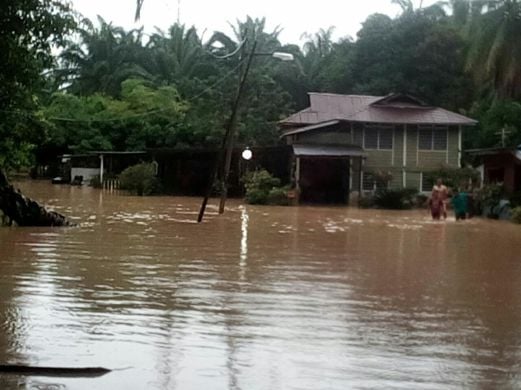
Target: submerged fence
<point>111,185</point>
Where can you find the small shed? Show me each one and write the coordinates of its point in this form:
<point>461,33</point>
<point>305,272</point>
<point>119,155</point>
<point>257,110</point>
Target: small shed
<point>186,171</point>
<point>499,165</point>
<point>99,163</point>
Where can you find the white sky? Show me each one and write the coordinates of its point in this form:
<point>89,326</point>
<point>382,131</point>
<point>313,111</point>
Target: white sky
<point>296,17</point>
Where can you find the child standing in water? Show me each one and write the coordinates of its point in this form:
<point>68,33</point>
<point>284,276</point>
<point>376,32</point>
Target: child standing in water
<point>436,205</point>
<point>460,204</point>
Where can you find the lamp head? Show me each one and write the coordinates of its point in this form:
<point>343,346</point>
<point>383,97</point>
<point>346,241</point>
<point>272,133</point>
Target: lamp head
<point>247,154</point>
<point>283,56</point>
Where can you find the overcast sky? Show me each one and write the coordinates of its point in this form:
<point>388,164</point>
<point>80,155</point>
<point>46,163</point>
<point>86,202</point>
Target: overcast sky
<point>294,16</point>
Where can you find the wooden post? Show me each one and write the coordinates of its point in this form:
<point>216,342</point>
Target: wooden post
<point>350,177</point>
<point>360,184</point>
<point>460,147</point>
<point>404,158</point>
<point>297,174</point>
<point>101,169</point>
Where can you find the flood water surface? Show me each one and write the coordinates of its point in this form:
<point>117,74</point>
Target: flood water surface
<point>258,298</point>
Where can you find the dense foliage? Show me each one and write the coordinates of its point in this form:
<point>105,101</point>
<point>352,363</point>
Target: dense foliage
<point>394,199</point>
<point>28,31</point>
<point>140,179</point>
<point>516,215</point>
<point>454,178</point>
<point>263,188</point>
<point>125,90</point>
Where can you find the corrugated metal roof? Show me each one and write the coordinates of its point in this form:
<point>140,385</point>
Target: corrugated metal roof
<point>311,127</point>
<point>515,151</point>
<point>328,151</point>
<point>357,108</point>
<point>488,151</point>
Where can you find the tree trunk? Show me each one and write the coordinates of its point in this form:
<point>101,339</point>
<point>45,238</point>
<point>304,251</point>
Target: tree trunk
<point>17,208</point>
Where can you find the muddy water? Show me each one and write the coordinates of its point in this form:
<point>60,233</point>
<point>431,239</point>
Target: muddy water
<point>260,298</point>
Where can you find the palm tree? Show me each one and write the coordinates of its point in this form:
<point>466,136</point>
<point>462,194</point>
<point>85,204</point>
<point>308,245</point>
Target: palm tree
<point>176,55</point>
<point>103,58</point>
<point>315,52</point>
<point>494,57</point>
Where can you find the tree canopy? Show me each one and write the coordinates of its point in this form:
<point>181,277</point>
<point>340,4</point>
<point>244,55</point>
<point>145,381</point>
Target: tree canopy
<point>28,31</point>
<point>113,89</point>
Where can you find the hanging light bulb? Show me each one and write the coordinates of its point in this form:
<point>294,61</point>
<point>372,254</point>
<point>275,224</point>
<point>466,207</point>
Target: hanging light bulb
<point>247,154</point>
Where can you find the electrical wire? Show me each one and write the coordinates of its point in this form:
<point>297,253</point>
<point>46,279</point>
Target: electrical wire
<point>239,47</point>
<point>133,116</point>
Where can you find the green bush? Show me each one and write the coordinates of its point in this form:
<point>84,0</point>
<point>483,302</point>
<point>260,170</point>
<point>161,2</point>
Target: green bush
<point>256,196</point>
<point>263,188</point>
<point>366,202</point>
<point>261,179</point>
<point>95,181</point>
<point>395,199</point>
<point>491,194</point>
<point>140,179</point>
<point>453,177</point>
<point>516,215</point>
<point>278,196</point>
<point>421,200</point>
<point>515,199</point>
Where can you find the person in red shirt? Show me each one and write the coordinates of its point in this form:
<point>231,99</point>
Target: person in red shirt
<point>436,205</point>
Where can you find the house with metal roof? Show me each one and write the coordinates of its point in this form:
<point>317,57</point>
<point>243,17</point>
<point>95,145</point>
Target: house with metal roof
<point>345,144</point>
<point>499,165</point>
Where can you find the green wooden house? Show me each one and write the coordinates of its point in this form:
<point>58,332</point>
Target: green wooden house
<point>352,144</point>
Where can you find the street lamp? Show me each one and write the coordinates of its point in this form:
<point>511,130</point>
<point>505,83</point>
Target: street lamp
<point>247,154</point>
<point>229,135</point>
<point>283,56</point>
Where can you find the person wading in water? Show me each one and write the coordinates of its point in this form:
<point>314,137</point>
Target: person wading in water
<point>436,205</point>
<point>443,194</point>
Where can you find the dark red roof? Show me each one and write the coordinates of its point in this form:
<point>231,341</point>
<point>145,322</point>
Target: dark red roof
<point>393,109</point>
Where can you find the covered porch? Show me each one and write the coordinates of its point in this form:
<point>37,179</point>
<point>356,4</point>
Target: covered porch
<point>327,174</point>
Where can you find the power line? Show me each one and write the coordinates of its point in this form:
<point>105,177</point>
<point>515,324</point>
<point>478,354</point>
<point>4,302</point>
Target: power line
<point>133,116</point>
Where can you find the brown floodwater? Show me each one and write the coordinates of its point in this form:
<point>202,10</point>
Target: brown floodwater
<point>259,298</point>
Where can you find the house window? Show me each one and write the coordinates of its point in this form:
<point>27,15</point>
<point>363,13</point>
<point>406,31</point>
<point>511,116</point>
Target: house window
<point>378,137</point>
<point>371,139</point>
<point>427,183</point>
<point>432,138</point>
<point>385,139</point>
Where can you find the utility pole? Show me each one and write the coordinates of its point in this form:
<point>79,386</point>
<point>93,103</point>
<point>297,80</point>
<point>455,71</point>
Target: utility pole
<point>503,133</point>
<point>227,144</point>
<point>231,136</point>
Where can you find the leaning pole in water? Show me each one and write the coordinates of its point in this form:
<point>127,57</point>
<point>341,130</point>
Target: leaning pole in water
<point>22,211</point>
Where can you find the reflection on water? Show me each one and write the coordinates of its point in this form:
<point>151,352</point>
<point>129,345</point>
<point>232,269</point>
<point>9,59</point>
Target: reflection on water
<point>259,298</point>
<point>244,235</point>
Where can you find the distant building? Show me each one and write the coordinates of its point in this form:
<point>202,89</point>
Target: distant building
<point>187,171</point>
<point>345,144</point>
<point>82,168</point>
<point>499,165</point>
